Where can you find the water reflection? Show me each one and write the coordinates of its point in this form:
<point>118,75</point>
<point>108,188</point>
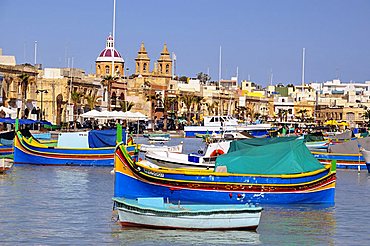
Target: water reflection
<point>298,224</point>
<point>139,236</point>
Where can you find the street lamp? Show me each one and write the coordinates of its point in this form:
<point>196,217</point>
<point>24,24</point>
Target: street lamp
<point>42,91</point>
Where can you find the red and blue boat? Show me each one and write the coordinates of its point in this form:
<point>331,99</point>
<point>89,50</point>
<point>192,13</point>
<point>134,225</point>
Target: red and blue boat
<point>274,173</point>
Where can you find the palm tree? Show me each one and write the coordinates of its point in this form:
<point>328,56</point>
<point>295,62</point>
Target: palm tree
<point>6,88</point>
<point>108,81</point>
<point>198,102</point>
<point>167,103</point>
<point>126,106</point>
<point>76,100</point>
<point>283,114</point>
<point>211,108</point>
<point>303,114</point>
<point>153,98</point>
<point>24,80</point>
<point>366,115</point>
<point>188,100</point>
<point>92,101</point>
<point>250,110</point>
<point>60,102</point>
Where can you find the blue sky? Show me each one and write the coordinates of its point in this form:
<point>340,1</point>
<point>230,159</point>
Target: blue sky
<point>258,36</point>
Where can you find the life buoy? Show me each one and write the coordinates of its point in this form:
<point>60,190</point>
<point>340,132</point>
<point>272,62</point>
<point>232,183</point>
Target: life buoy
<point>217,152</point>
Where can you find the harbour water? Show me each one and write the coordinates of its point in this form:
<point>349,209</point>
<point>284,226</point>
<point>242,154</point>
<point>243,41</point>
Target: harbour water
<point>72,206</point>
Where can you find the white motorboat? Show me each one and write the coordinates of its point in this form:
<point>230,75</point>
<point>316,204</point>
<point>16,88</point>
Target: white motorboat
<point>193,160</point>
<point>174,149</point>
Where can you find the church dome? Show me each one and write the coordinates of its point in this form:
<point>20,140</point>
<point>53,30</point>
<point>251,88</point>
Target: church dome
<point>110,53</point>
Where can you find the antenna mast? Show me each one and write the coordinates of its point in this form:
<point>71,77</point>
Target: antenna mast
<point>303,58</point>
<point>35,53</point>
<point>113,35</point>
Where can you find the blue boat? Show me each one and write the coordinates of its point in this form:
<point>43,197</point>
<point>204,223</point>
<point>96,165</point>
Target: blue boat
<point>285,173</point>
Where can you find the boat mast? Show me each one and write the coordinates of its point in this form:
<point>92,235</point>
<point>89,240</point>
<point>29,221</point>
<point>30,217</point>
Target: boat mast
<point>219,81</point>
<point>35,53</point>
<point>303,58</point>
<point>113,35</point>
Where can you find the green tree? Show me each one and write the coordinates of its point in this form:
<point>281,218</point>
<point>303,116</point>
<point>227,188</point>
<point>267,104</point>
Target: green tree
<point>6,88</point>
<point>76,100</point>
<point>168,102</point>
<point>60,102</point>
<point>126,106</point>
<point>183,79</point>
<point>92,100</point>
<point>303,114</point>
<point>366,116</point>
<point>107,82</point>
<point>204,78</point>
<point>188,100</point>
<point>198,103</point>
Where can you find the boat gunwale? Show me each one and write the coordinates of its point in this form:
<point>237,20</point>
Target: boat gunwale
<point>334,153</point>
<point>183,211</point>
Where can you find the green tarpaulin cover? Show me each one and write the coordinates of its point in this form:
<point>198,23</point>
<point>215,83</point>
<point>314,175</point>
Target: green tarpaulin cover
<point>312,137</point>
<point>249,143</point>
<point>269,156</point>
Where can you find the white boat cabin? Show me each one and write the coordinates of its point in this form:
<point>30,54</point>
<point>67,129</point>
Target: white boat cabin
<point>220,121</point>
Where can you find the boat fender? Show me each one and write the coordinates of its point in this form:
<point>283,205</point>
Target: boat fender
<point>231,195</point>
<point>217,152</point>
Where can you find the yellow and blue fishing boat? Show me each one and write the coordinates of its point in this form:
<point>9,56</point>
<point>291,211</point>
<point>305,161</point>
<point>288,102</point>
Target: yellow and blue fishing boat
<point>347,154</point>
<point>279,172</point>
<point>98,151</point>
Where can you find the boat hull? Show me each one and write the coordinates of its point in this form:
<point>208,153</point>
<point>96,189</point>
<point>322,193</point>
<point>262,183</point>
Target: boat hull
<point>5,164</point>
<point>343,161</point>
<point>6,150</point>
<point>133,180</point>
<point>25,153</point>
<point>212,221</point>
<point>366,156</point>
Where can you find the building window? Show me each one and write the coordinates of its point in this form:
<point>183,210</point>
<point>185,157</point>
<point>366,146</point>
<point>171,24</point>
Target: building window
<point>138,67</point>
<point>144,68</point>
<point>107,69</point>
<point>171,87</point>
<point>167,68</point>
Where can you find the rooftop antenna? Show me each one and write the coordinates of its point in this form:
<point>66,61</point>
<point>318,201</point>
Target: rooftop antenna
<point>219,81</point>
<point>71,80</point>
<point>70,113</point>
<point>174,58</point>
<point>271,77</point>
<point>237,74</point>
<point>35,62</point>
<point>219,67</point>
<point>303,57</point>
<point>207,76</point>
<point>113,35</point>
<point>24,52</point>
